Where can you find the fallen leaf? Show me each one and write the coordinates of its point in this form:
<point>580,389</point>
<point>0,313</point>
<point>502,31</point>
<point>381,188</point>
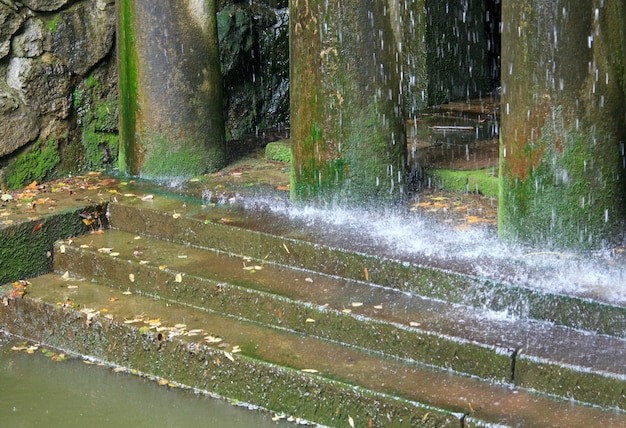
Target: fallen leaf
<point>131,277</point>
<point>105,250</point>
<point>127,292</point>
<point>114,254</point>
<point>308,279</point>
<point>350,421</point>
<point>180,326</point>
<point>309,320</point>
<point>356,304</point>
<point>212,339</point>
<point>62,249</point>
<point>367,274</point>
<point>66,275</point>
<point>310,370</point>
<point>176,216</point>
<point>147,197</point>
<point>378,306</point>
<point>178,278</point>
<point>414,324</point>
<point>6,197</point>
<point>347,311</point>
<point>229,356</point>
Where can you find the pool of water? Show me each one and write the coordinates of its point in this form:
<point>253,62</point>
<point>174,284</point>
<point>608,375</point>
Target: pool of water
<point>37,390</point>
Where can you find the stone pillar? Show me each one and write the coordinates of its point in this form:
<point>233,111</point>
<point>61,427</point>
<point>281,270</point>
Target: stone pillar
<point>347,124</point>
<point>171,110</point>
<point>562,170</point>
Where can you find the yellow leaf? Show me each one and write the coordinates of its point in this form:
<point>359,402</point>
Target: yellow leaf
<point>131,277</point>
<point>176,215</point>
<point>310,320</point>
<point>310,370</point>
<point>178,278</point>
<point>378,306</point>
<point>163,382</point>
<point>356,304</point>
<point>162,267</point>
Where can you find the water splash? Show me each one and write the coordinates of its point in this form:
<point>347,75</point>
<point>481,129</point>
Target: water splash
<point>400,234</point>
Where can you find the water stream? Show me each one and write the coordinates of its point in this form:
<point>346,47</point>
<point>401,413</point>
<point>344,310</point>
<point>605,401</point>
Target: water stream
<point>35,391</point>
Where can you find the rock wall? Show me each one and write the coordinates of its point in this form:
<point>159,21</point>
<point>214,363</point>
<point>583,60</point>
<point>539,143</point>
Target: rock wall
<point>56,71</point>
<point>58,81</point>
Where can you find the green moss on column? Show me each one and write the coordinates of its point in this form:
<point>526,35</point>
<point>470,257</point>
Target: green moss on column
<point>347,124</point>
<point>562,176</point>
<point>171,109</point>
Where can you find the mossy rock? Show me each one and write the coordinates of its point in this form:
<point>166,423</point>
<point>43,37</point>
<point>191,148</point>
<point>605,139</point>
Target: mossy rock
<point>483,181</point>
<point>278,151</point>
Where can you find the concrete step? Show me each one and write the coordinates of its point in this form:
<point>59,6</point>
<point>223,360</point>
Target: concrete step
<point>524,353</point>
<point>318,380</point>
<point>264,235</point>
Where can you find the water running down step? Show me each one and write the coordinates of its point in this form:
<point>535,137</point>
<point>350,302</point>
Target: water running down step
<point>282,299</point>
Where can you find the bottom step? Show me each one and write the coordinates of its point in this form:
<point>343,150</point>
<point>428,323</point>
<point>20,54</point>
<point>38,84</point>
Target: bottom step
<point>281,371</point>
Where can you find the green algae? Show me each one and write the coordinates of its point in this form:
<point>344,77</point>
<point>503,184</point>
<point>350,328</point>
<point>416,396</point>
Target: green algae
<point>26,248</point>
<point>127,83</point>
<point>480,181</point>
<point>36,164</point>
<point>278,151</point>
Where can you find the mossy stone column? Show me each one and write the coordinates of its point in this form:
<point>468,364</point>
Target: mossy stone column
<point>347,124</point>
<point>171,110</point>
<point>562,166</point>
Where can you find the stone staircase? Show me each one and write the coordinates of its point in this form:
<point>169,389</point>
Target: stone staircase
<point>299,320</point>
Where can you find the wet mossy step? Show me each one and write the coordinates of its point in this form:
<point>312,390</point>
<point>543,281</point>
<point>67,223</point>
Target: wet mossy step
<point>529,354</point>
<point>281,371</point>
<point>270,238</point>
